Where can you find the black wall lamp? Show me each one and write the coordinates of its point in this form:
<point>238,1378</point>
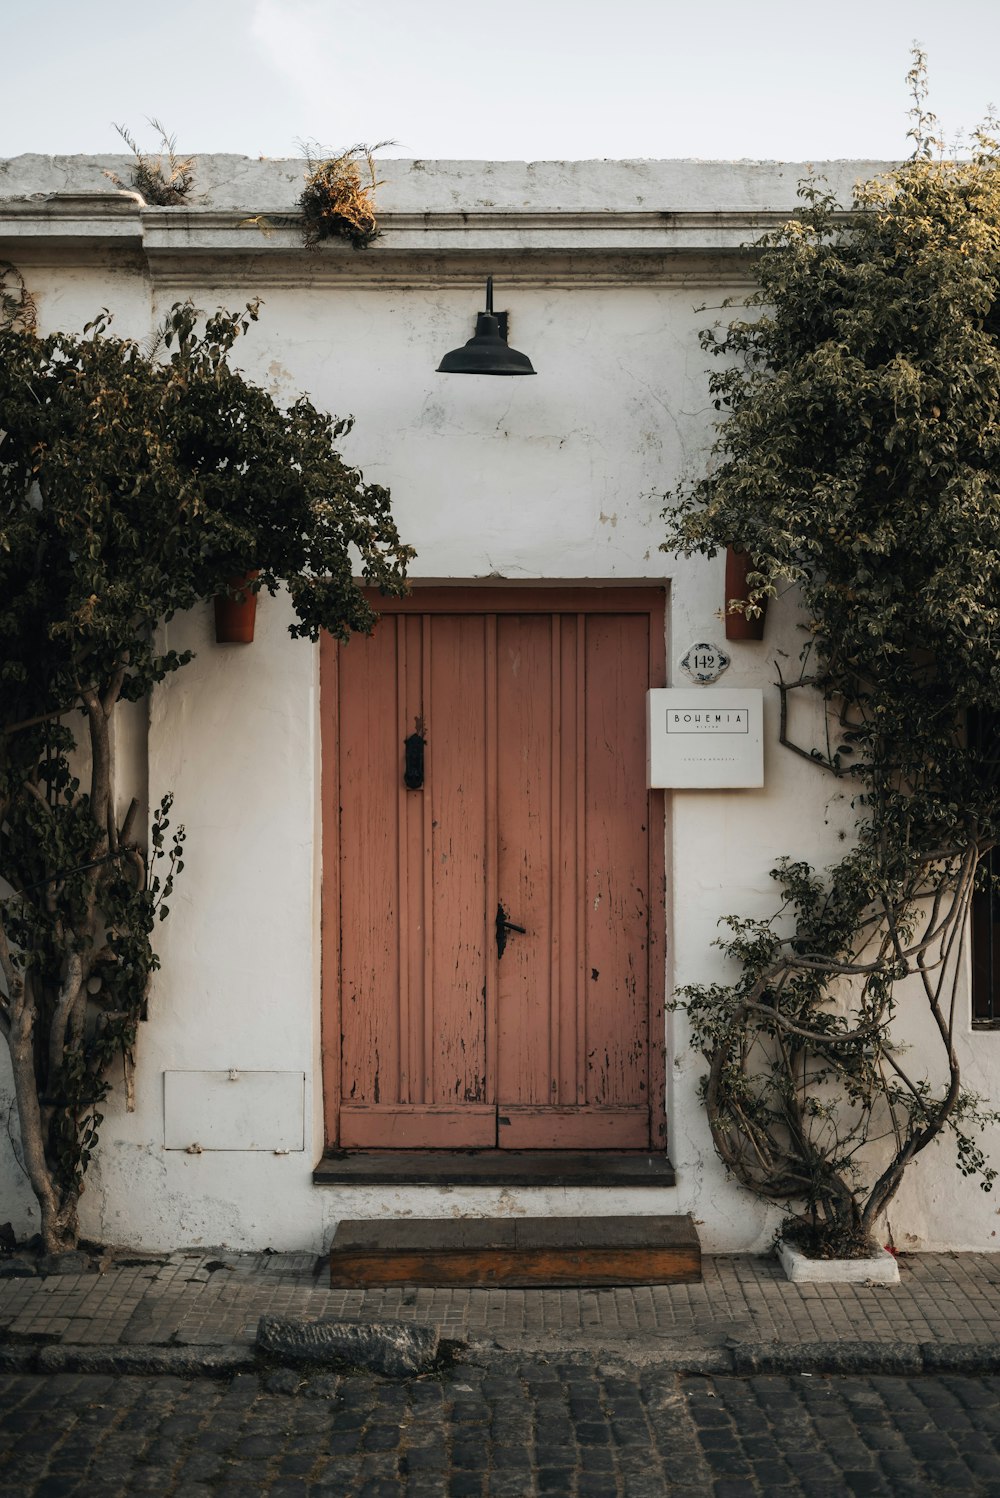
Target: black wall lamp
<point>486,351</point>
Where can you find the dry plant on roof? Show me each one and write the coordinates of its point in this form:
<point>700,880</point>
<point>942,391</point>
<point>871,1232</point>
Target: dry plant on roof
<point>163,180</point>
<point>338,199</point>
<point>858,460</point>
<point>132,485</point>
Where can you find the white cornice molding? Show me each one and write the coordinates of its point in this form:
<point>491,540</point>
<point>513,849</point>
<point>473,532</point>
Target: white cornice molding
<point>182,246</point>
<point>83,216</point>
<point>220,272</point>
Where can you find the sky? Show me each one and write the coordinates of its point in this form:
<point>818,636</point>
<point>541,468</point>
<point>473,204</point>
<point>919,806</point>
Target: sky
<point>518,80</point>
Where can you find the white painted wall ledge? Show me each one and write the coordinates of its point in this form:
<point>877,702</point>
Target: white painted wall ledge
<point>415,186</point>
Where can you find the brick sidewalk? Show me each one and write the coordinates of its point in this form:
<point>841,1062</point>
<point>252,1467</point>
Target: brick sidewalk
<point>198,1300</point>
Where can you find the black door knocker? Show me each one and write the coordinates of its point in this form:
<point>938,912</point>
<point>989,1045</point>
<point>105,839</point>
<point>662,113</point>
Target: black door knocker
<point>413,771</point>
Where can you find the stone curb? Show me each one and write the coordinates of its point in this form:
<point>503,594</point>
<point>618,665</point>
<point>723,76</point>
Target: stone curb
<point>902,1359</point>
<point>742,1359</point>
<point>633,1350</point>
<point>961,1357</point>
<point>180,1362</point>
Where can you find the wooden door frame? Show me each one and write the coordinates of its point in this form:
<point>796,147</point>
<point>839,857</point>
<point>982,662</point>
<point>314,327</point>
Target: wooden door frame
<point>460,598</point>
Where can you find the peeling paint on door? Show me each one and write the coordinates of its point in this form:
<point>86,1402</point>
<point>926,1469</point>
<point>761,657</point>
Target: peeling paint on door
<point>533,817</point>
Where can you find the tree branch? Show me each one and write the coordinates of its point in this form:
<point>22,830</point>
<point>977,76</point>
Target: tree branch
<point>11,728</point>
<point>100,762</point>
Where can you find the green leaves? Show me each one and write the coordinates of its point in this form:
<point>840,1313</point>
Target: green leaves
<point>857,456</point>
<point>860,454</point>
<point>131,487</point>
<point>133,483</point>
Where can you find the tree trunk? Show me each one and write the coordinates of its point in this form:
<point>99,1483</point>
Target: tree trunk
<point>60,1226</point>
<point>60,1223</point>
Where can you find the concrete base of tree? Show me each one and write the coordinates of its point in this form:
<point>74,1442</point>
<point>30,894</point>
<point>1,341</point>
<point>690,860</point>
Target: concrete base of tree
<point>881,1268</point>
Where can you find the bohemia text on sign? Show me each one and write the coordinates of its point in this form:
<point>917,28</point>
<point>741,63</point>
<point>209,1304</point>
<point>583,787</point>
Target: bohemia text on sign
<point>733,720</point>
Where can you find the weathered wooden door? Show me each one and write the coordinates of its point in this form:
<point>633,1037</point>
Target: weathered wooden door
<point>493,889</point>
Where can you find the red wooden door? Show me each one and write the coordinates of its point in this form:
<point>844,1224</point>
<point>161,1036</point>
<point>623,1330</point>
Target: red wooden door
<point>445,1024</point>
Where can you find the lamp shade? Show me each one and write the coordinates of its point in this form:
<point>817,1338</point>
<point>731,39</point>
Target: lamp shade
<point>487,351</point>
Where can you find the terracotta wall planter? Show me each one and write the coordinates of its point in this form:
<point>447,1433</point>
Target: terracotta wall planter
<point>234,617</point>
<point>738,626</point>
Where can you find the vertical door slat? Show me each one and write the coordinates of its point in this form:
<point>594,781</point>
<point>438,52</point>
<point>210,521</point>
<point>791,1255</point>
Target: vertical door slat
<point>556,1026</point>
<point>584,1061</point>
<point>492,890</point>
<point>524,855</point>
<point>426,943</point>
<point>331,1029</point>
<point>571,1089</point>
<point>370,851</point>
<point>617,858</point>
<point>409,1080</point>
<point>456,734</point>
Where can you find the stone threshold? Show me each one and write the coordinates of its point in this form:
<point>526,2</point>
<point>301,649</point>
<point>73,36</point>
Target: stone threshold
<point>494,1168</point>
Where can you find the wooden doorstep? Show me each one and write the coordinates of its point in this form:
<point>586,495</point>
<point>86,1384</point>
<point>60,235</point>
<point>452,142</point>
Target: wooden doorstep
<point>516,1252</point>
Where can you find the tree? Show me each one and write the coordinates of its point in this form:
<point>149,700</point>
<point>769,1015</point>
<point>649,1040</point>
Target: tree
<point>858,458</point>
<point>132,484</point>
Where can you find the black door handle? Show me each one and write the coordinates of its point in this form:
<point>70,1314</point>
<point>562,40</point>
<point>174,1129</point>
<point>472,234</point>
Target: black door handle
<point>503,925</point>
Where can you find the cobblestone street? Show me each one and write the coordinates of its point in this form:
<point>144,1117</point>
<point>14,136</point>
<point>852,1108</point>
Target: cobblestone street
<point>142,1375</point>
<point>531,1429</point>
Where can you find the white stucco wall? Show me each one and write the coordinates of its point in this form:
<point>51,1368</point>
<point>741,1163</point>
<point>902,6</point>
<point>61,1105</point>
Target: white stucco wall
<point>607,270</point>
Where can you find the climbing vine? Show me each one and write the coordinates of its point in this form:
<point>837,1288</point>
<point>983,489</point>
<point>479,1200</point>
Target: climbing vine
<point>133,483</point>
<point>857,459</point>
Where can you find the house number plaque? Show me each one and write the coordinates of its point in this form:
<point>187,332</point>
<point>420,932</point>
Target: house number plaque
<point>705,737</point>
<point>704,662</point>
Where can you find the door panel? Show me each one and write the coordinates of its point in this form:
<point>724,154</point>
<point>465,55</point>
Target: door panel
<point>414,956</point>
<point>573,1128</point>
<point>527,800</point>
<point>424,1126</point>
<point>454,848</point>
<point>534,798</point>
<point>573,860</point>
<point>617,865</point>
<point>373,979</point>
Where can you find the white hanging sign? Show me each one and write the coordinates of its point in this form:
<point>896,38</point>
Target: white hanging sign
<point>705,737</point>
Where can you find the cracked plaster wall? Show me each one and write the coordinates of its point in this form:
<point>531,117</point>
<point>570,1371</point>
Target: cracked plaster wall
<point>556,477</point>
